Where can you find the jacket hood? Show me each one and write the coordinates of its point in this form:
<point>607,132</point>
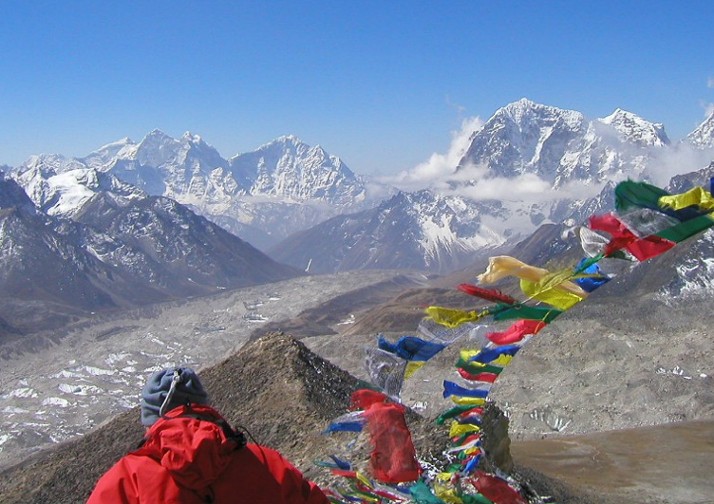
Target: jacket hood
<point>195,451</point>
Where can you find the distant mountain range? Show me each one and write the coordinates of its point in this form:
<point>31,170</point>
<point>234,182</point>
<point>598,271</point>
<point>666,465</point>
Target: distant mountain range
<point>542,163</point>
<point>528,165</point>
<point>262,196</point>
<point>120,248</point>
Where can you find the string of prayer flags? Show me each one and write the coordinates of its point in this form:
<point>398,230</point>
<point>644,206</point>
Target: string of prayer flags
<point>648,222</point>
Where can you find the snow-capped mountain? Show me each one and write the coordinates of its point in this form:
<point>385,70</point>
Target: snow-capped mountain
<point>120,249</point>
<point>63,192</point>
<point>46,277</point>
<point>636,130</point>
<point>552,165</point>
<point>562,146</point>
<point>534,163</point>
<point>262,196</point>
<point>419,230</point>
<point>289,168</point>
<point>703,136</point>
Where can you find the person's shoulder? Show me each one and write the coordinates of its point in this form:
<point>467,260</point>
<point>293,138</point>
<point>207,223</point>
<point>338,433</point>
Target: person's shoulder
<point>259,448</point>
<point>265,453</point>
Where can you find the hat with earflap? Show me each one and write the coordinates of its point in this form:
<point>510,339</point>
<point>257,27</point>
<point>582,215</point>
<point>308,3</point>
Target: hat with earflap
<point>168,389</point>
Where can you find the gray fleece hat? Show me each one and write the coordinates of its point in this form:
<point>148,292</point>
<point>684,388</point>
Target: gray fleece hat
<point>168,389</point>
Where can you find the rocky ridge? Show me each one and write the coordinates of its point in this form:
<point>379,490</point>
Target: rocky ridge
<point>282,394</point>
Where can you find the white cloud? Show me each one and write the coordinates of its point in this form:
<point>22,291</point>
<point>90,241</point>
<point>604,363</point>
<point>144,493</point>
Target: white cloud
<point>527,187</point>
<point>682,159</point>
<point>710,82</point>
<point>439,167</point>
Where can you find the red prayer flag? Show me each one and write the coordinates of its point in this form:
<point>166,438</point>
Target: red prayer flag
<point>364,398</point>
<point>496,490</point>
<point>488,294</point>
<point>516,332</point>
<point>393,458</point>
<point>482,377</point>
<point>622,238</point>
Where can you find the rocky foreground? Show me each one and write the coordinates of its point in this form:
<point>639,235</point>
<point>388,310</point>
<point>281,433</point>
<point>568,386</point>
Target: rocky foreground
<point>279,391</point>
<point>285,389</point>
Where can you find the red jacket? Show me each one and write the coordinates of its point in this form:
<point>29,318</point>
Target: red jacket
<point>186,460</point>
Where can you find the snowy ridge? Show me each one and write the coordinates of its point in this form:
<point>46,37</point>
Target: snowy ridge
<point>421,230</point>
<point>290,168</point>
<point>529,164</point>
<point>636,130</point>
<point>703,136</point>
<point>263,196</point>
<point>561,146</point>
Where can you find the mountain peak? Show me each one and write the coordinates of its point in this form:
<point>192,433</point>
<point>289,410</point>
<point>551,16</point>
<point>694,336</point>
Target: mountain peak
<point>634,128</point>
<point>116,145</point>
<point>12,195</point>
<point>525,110</point>
<point>518,108</point>
<point>191,138</point>
<point>703,136</point>
<point>286,140</point>
<point>156,133</point>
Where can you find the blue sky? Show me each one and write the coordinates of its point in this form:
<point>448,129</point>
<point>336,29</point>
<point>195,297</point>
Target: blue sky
<point>382,84</point>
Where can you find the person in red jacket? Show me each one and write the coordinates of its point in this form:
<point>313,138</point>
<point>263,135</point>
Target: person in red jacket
<point>191,455</point>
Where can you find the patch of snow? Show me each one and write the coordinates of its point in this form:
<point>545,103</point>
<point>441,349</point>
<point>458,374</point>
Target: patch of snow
<point>81,390</point>
<point>95,371</point>
<point>348,320</point>
<point>22,393</point>
<point>9,410</point>
<point>56,401</point>
<point>67,374</point>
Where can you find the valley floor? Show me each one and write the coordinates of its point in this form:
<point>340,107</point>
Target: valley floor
<point>666,464</point>
<point>54,388</point>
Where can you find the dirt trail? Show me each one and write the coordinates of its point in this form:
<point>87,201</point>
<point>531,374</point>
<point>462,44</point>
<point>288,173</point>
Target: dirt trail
<point>670,464</point>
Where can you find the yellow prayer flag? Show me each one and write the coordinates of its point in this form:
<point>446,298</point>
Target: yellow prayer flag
<point>458,429</point>
<point>468,401</point>
<point>413,367</point>
<point>561,280</point>
<point>557,298</point>
<point>502,266</point>
<point>502,360</point>
<point>444,490</point>
<point>696,196</point>
<point>364,479</point>
<point>451,317</point>
<point>467,354</point>
<point>472,451</point>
